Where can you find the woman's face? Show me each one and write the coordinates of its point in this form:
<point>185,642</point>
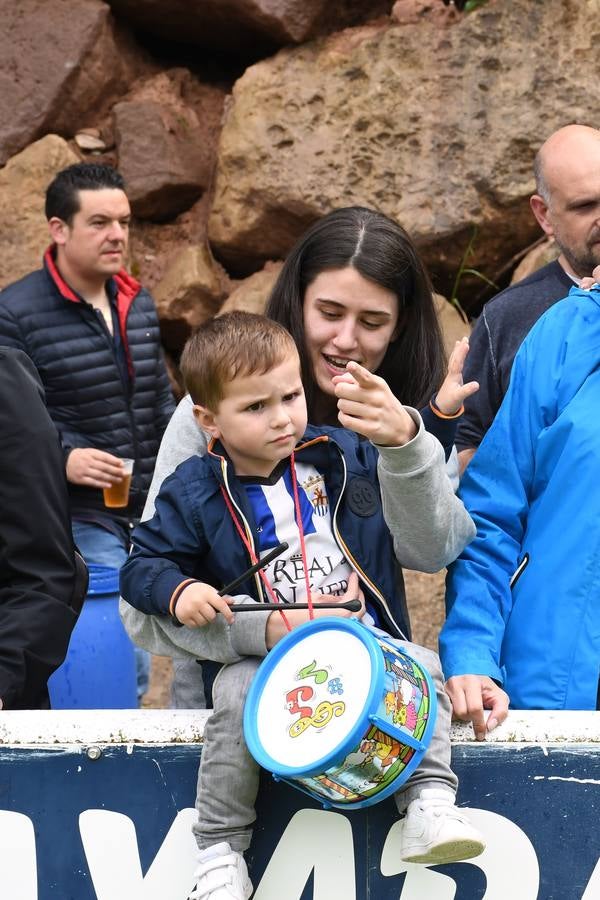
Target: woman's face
<point>347,317</point>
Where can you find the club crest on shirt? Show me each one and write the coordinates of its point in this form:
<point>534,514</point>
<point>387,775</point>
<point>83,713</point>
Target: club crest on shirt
<point>314,488</point>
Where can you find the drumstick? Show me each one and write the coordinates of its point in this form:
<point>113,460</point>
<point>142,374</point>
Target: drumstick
<point>253,569</point>
<point>351,605</point>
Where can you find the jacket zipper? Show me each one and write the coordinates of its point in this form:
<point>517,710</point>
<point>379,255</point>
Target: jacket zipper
<point>127,393</point>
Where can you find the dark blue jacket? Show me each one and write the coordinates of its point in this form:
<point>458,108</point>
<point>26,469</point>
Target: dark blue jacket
<point>89,401</point>
<point>192,534</point>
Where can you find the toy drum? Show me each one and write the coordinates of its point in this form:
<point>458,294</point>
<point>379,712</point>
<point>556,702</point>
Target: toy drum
<point>340,712</point>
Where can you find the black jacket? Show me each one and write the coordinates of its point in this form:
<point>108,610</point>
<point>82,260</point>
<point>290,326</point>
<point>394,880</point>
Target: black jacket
<point>41,588</point>
<point>505,321</point>
<point>87,398</point>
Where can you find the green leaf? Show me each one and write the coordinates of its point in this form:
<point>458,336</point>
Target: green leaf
<point>471,5</point>
<point>480,275</point>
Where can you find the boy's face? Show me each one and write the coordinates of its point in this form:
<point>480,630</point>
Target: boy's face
<point>260,419</point>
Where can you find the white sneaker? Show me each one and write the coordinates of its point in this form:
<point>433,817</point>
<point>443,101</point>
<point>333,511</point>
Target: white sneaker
<point>221,875</point>
<point>435,831</point>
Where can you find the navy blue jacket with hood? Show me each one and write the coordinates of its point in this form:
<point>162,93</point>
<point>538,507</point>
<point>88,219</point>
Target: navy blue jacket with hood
<point>193,535</point>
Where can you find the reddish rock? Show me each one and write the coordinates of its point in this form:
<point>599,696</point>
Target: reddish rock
<point>23,183</point>
<point>241,23</point>
<point>251,294</point>
<point>153,247</point>
<point>166,133</point>
<point>63,63</point>
<point>437,127</point>
<point>409,12</point>
<point>453,325</point>
<point>193,287</point>
<point>542,254</point>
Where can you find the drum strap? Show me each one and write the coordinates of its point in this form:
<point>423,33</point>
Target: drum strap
<point>252,554</point>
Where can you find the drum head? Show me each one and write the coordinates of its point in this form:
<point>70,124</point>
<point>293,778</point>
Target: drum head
<point>308,705</point>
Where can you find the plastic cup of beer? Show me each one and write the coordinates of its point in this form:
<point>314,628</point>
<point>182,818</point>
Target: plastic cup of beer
<point>117,495</point>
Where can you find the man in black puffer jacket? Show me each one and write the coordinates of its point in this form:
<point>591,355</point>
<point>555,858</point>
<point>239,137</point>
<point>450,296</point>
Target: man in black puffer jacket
<point>92,333</point>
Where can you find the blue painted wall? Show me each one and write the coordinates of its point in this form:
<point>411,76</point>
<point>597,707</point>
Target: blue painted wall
<point>539,809</point>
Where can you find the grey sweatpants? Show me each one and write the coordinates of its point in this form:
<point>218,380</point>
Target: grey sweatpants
<point>228,776</point>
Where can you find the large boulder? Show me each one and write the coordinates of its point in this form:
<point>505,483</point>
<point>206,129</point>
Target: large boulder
<point>191,290</point>
<point>436,126</point>
<point>166,132</point>
<point>23,183</point>
<point>153,247</point>
<point>543,253</point>
<point>452,324</point>
<point>63,63</point>
<point>251,294</point>
<point>254,25</point>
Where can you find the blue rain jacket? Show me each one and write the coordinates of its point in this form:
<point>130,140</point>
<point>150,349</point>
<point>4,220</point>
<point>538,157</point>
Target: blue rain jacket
<point>533,490</point>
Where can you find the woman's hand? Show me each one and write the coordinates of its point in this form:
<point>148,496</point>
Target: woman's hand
<point>453,392</point>
<point>367,405</point>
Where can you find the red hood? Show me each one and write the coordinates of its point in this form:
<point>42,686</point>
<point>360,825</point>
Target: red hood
<point>127,286</point>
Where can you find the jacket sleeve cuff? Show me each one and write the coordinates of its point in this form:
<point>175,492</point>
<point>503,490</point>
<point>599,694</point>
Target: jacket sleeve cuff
<point>456,664</point>
<point>444,429</point>
<point>163,588</point>
<point>412,456</point>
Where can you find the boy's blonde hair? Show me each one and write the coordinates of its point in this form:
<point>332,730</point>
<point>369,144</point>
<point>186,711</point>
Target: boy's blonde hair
<point>237,343</point>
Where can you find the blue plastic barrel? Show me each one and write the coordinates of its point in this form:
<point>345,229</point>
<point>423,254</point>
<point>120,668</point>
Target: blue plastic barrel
<point>99,670</point>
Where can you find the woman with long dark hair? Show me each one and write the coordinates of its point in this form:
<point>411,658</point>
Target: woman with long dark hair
<point>362,261</point>
<point>376,307</point>
<point>352,288</point>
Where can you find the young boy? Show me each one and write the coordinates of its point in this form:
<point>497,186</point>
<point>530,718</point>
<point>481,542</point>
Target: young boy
<point>269,478</point>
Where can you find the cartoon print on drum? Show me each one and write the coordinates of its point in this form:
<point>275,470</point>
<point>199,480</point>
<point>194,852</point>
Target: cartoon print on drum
<point>325,710</point>
<point>334,686</point>
<point>320,675</point>
<point>302,694</point>
<point>399,705</point>
<point>379,758</point>
<point>323,715</point>
<point>381,751</point>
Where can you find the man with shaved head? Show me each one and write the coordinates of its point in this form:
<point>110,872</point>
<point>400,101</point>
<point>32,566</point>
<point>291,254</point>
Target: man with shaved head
<point>567,206</point>
<point>523,598</point>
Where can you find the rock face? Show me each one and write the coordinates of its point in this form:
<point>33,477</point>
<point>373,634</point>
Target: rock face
<point>451,322</point>
<point>420,110</point>
<point>235,23</point>
<point>411,11</point>
<point>193,287</point>
<point>544,253</point>
<point>23,183</point>
<point>166,134</point>
<point>59,70</point>
<point>251,294</point>
<point>437,127</point>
